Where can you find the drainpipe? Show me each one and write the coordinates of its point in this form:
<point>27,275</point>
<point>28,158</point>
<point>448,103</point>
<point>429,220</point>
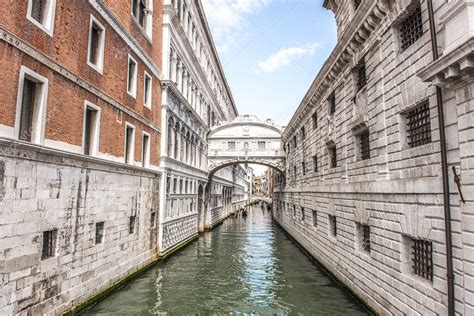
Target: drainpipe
<point>444,166</point>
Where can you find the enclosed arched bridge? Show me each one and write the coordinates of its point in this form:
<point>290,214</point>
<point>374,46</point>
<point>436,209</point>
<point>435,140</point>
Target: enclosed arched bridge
<point>246,139</point>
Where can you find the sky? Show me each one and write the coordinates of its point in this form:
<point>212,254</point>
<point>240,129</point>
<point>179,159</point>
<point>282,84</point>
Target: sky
<point>271,51</point>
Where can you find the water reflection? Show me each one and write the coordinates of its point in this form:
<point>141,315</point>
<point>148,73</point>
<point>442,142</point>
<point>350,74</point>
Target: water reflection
<point>246,266</point>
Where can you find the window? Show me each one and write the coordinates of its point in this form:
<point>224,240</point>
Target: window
<point>422,258</point>
<point>364,141</point>
<point>303,167</point>
<point>411,28</point>
<point>147,90</point>
<point>315,218</point>
<point>315,163</point>
<point>303,133</point>
<point>419,125</point>
<point>99,233</point>
<point>152,219</point>
<point>333,156</point>
<point>49,244</point>
<point>168,184</point>
<point>95,52</point>
<point>231,145</point>
<point>364,235</point>
<point>129,143</point>
<point>361,76</point>
<point>31,106</point>
<point>91,129</point>
<point>141,11</point>
<point>41,13</point>
<point>332,225</point>
<point>261,145</point>
<point>131,224</point>
<point>295,141</point>
<point>302,214</point>
<point>294,211</point>
<point>314,118</point>
<point>332,104</point>
<point>132,77</point>
<point>145,150</point>
<point>294,170</point>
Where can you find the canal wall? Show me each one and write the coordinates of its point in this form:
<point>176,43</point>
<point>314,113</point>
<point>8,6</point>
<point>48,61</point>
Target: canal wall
<point>44,190</point>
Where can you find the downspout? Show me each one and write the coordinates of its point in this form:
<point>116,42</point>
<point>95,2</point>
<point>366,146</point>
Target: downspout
<point>444,166</point>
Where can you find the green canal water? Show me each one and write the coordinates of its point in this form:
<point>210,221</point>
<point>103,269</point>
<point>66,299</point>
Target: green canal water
<point>246,266</point>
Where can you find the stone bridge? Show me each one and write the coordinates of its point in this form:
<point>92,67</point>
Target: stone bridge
<point>246,139</point>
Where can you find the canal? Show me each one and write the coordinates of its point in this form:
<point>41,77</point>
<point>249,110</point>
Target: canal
<point>245,266</point>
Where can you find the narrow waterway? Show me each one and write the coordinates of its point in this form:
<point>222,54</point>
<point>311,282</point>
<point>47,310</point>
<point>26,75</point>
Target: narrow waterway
<point>245,266</point>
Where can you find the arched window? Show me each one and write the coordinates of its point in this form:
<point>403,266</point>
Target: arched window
<point>170,137</point>
<point>176,141</point>
<point>188,148</point>
<point>182,149</point>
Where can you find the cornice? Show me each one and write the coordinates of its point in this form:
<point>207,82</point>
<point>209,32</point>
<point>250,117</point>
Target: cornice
<point>21,45</point>
<point>364,23</point>
<point>108,16</point>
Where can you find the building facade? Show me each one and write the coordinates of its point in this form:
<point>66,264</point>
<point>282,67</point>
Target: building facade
<point>379,175</point>
<point>196,98</point>
<point>79,148</point>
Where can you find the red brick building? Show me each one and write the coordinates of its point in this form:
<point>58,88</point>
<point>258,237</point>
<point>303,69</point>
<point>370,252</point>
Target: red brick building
<point>79,147</point>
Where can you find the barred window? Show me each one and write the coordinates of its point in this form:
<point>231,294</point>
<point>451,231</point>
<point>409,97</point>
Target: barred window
<point>153,219</point>
<point>422,258</point>
<point>411,28</point>
<point>294,170</point>
<point>364,140</point>
<point>419,126</point>
<point>99,233</point>
<point>332,104</point>
<point>303,133</point>
<point>49,244</point>
<point>294,210</point>
<point>37,9</point>
<point>332,225</point>
<point>261,145</point>
<point>315,218</point>
<point>361,75</point>
<point>302,214</point>
<point>365,237</point>
<point>303,167</point>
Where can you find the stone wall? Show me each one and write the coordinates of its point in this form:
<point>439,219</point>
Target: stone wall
<point>44,190</point>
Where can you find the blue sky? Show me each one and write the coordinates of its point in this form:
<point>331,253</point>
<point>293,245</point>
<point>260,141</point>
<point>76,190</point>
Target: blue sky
<point>271,51</point>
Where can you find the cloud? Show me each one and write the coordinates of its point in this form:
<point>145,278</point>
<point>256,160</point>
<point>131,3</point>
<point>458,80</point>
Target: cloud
<point>229,16</point>
<point>285,56</point>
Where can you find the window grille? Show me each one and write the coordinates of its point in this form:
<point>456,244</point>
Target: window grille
<point>95,35</point>
<point>99,233</point>
<point>261,145</point>
<point>332,104</point>
<point>422,258</point>
<point>303,133</point>
<point>315,163</point>
<point>315,218</point>
<point>294,169</point>
<point>294,210</point>
<point>411,28</point>
<point>302,214</point>
<point>37,9</point>
<point>303,167</point>
<point>315,119</point>
<point>333,153</point>
<point>49,244</point>
<point>419,126</point>
<point>364,145</point>
<point>361,75</point>
<point>231,145</point>
<point>366,237</point>
<point>139,11</point>
<point>131,226</point>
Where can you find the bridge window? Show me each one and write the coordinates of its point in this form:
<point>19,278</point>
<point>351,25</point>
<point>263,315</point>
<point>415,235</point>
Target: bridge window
<point>231,145</point>
<point>261,145</point>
